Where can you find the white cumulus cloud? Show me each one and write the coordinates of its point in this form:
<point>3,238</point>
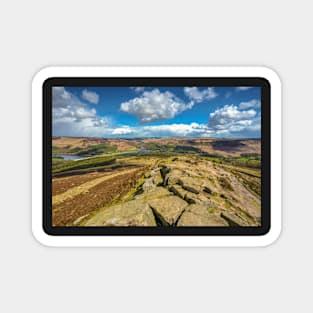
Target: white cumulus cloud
<point>250,104</point>
<point>229,113</point>
<point>138,89</point>
<point>123,130</point>
<point>155,106</point>
<point>195,94</point>
<point>72,117</point>
<point>229,119</point>
<point>176,130</point>
<point>90,96</point>
<point>164,130</point>
<point>243,88</point>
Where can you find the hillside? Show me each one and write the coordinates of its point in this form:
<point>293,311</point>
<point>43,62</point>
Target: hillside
<point>220,147</point>
<point>156,182</point>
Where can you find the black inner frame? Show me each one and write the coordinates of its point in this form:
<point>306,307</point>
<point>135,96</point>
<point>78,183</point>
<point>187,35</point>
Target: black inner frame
<point>157,81</point>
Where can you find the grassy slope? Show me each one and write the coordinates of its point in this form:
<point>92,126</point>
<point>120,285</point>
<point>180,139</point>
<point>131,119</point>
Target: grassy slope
<point>82,164</point>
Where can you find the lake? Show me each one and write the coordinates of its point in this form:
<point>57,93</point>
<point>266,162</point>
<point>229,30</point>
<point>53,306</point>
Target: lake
<point>71,156</point>
<point>129,153</point>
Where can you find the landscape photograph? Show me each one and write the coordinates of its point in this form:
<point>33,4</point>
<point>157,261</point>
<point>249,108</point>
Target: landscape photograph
<point>156,156</point>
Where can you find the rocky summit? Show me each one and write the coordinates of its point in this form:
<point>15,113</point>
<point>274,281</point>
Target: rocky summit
<point>132,213</point>
<point>186,191</point>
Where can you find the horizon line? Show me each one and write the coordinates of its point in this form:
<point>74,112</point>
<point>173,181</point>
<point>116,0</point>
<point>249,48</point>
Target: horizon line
<point>158,137</point>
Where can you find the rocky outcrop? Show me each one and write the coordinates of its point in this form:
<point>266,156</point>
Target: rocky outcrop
<point>131,213</point>
<point>153,179</point>
<point>182,193</point>
<point>157,177</point>
<point>178,191</point>
<point>164,170</point>
<point>174,177</point>
<point>234,219</point>
<point>148,185</point>
<point>192,198</point>
<point>198,215</point>
<point>191,184</point>
<point>188,196</point>
<point>155,193</point>
<point>168,209</point>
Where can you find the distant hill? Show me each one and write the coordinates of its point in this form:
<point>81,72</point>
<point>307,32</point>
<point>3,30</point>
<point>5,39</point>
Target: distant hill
<point>214,146</point>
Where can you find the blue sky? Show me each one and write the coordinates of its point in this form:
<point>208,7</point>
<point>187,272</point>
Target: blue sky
<point>127,112</point>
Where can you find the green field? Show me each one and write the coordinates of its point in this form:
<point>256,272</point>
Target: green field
<point>82,164</point>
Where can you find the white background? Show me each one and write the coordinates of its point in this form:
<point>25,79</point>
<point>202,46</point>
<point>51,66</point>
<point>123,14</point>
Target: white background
<point>34,34</point>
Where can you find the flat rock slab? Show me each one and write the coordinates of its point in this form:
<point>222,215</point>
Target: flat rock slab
<point>173,177</point>
<point>198,215</point>
<point>132,213</point>
<point>157,192</point>
<point>192,184</point>
<point>234,220</point>
<point>189,197</point>
<point>168,209</point>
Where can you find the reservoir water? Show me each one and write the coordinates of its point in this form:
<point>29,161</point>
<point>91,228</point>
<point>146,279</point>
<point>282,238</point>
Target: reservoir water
<point>129,153</point>
<point>71,156</point>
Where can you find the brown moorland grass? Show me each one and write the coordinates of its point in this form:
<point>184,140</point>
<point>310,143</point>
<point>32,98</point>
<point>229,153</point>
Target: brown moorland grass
<point>64,213</point>
<point>61,185</point>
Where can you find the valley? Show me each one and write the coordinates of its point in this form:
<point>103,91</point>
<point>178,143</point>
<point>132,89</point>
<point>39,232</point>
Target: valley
<point>172,182</point>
